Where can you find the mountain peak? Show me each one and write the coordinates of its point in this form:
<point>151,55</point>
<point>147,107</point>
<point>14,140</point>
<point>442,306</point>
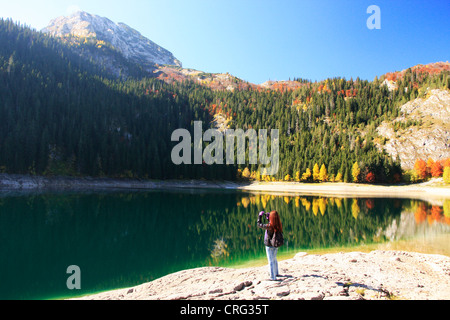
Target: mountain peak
<point>129,42</point>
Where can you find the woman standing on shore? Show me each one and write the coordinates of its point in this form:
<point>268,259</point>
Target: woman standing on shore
<point>274,226</point>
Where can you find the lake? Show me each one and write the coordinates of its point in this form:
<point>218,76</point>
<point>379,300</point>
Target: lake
<point>125,238</point>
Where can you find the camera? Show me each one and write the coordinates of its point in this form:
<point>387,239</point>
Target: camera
<point>266,214</point>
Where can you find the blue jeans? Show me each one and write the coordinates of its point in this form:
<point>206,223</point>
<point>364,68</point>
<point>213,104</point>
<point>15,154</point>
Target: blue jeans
<point>273,263</point>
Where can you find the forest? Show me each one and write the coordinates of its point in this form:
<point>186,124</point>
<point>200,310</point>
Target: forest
<point>63,115</point>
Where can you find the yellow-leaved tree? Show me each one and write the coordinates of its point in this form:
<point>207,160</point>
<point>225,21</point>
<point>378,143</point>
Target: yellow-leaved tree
<point>297,176</point>
<point>446,175</point>
<point>246,173</point>
<point>355,172</point>
<point>316,173</point>
<point>323,175</point>
<point>306,175</point>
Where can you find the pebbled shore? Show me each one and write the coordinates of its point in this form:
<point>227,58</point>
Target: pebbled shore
<point>378,275</point>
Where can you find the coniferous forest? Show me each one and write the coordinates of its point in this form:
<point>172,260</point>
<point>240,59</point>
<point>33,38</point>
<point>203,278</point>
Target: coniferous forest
<point>62,115</point>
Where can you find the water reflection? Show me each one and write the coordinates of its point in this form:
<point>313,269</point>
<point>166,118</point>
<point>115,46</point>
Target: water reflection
<point>123,239</point>
<point>321,222</point>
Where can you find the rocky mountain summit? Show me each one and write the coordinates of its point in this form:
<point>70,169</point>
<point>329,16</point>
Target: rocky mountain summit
<point>132,45</point>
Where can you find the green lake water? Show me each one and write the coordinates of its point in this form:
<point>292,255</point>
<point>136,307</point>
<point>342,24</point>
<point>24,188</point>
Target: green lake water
<point>125,238</point>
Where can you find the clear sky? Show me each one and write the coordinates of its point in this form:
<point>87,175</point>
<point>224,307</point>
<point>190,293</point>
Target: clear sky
<point>259,40</point>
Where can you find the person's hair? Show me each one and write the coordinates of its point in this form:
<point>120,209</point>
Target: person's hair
<point>275,222</point>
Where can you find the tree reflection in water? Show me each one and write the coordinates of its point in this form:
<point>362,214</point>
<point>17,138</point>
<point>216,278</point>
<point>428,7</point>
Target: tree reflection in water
<point>121,239</point>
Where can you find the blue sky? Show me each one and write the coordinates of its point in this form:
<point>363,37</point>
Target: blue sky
<point>259,40</point>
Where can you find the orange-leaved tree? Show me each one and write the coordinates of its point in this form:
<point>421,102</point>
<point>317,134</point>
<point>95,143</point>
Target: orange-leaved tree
<point>420,167</point>
<point>446,162</point>
<point>370,177</point>
<point>436,169</point>
<point>430,163</point>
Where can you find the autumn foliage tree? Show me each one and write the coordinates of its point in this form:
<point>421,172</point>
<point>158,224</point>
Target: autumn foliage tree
<point>430,164</point>
<point>446,162</point>
<point>307,175</point>
<point>446,171</point>
<point>436,169</point>
<point>323,175</point>
<point>446,175</point>
<point>316,172</point>
<point>246,173</point>
<point>420,168</point>
<point>370,177</point>
<point>355,172</point>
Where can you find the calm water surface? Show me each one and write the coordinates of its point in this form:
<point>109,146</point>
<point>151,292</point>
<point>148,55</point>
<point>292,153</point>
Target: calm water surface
<point>122,239</point>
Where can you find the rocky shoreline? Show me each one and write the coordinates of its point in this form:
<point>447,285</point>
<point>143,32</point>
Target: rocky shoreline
<point>378,275</point>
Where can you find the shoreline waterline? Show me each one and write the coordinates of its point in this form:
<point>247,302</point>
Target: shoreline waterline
<point>422,191</point>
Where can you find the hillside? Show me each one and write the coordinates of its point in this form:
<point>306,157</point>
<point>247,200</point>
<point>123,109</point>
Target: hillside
<point>77,119</point>
<point>215,81</point>
<point>221,81</point>
<point>428,69</point>
<point>422,130</point>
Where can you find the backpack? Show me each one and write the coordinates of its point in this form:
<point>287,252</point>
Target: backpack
<point>277,239</point>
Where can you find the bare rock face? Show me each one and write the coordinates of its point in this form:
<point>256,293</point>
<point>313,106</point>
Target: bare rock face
<point>427,136</point>
<point>124,39</point>
<point>436,105</point>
